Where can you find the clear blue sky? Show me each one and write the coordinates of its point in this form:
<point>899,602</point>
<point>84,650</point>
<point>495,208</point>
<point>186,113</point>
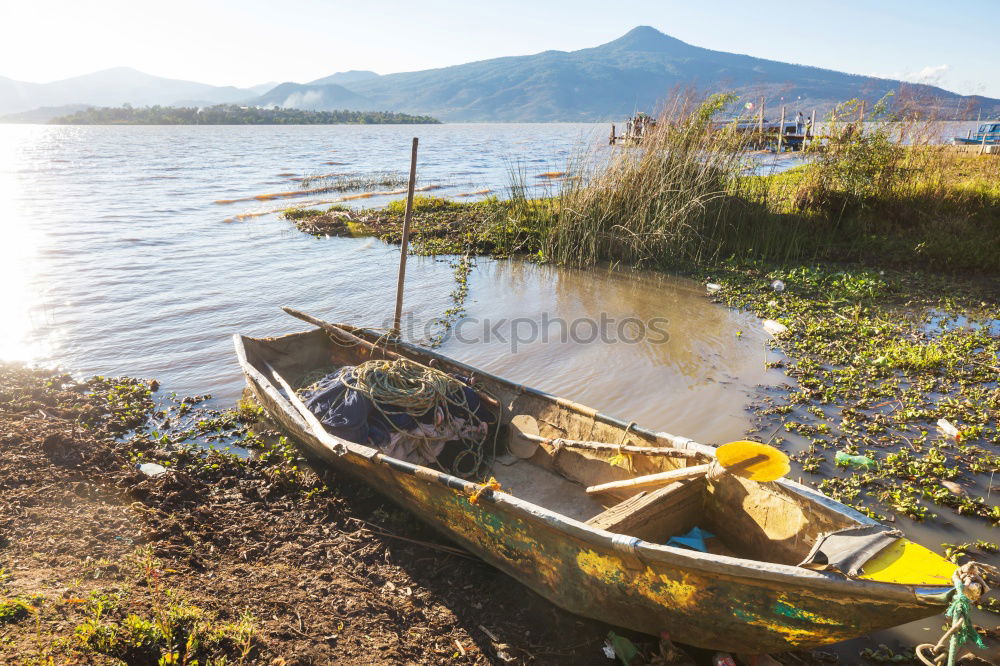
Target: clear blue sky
<point>245,42</point>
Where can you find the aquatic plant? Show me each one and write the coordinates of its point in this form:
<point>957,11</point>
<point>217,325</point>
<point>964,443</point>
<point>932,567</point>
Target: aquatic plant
<point>353,182</point>
<point>300,213</point>
<point>421,205</point>
<point>461,267</point>
<point>873,378</point>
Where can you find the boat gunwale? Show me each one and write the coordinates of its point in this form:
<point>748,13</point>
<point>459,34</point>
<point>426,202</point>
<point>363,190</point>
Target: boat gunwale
<point>708,451</point>
<point>753,571</point>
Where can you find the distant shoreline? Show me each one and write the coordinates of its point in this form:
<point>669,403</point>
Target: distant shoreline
<point>224,114</point>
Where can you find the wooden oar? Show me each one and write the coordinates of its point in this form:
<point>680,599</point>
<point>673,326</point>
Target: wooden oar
<point>342,336</point>
<point>650,480</point>
<point>750,460</point>
<point>523,440</point>
<point>314,423</point>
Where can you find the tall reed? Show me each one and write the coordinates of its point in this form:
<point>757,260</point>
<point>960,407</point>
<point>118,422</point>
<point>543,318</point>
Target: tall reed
<point>685,194</point>
<point>895,193</point>
<point>877,188</point>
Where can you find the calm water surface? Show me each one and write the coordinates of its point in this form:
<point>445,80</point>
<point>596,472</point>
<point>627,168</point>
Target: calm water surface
<point>115,259</point>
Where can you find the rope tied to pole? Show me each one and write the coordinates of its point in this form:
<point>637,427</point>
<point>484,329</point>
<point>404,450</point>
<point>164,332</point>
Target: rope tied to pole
<point>960,612</point>
<point>971,576</point>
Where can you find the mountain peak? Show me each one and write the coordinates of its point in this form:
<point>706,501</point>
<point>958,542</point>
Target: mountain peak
<point>350,76</point>
<point>646,38</point>
<point>121,69</point>
<point>644,31</point>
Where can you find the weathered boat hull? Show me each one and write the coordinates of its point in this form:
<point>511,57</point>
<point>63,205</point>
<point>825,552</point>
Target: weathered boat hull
<point>714,602</point>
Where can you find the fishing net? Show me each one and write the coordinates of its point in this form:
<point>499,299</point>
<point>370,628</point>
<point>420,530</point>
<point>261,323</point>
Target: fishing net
<point>404,387</point>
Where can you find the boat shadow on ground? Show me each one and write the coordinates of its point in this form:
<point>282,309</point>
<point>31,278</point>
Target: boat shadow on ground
<point>508,622</point>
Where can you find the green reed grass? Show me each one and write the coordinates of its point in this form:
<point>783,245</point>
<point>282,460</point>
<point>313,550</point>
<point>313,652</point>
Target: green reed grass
<point>684,195</point>
<point>896,192</point>
<point>354,182</point>
<point>874,189</point>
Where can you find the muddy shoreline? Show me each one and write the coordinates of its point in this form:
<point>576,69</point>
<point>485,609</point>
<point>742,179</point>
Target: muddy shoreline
<point>259,558</point>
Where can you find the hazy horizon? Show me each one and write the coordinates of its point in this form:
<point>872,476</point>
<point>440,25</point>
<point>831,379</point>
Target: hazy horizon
<point>250,43</point>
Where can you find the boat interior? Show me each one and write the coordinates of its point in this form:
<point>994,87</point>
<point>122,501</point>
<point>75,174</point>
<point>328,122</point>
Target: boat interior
<point>746,519</point>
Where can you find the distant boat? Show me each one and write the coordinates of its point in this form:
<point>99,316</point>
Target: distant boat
<point>989,131</point>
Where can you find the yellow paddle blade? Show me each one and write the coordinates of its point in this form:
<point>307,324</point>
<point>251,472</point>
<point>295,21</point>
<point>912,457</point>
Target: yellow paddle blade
<point>753,460</point>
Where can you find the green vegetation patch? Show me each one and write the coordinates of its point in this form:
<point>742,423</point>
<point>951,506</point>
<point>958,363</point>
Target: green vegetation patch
<point>14,610</point>
<point>421,204</point>
<point>177,632</point>
<point>439,226</point>
<point>300,213</point>
<point>877,364</point>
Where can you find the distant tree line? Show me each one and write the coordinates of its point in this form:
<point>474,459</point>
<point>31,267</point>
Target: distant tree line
<point>232,114</point>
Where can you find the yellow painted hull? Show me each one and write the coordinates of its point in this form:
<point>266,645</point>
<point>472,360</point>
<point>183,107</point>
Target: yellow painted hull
<point>711,601</point>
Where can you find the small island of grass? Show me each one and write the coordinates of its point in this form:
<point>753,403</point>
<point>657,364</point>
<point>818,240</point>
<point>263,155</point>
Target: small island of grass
<point>232,114</point>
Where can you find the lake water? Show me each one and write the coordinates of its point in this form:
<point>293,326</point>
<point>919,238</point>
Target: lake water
<point>115,259</point>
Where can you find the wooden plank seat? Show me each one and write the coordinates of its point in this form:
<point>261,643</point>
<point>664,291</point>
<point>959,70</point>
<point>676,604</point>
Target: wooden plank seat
<point>656,515</point>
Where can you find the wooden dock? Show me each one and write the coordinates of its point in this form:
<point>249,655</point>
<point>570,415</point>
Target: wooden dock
<point>635,128</point>
<point>976,149</point>
<point>762,134</point>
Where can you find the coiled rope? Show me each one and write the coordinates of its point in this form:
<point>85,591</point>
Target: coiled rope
<point>400,386</point>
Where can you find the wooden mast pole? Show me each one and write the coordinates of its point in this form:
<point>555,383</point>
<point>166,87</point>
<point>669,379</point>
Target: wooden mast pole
<point>760,124</point>
<point>781,129</point>
<point>405,242</point>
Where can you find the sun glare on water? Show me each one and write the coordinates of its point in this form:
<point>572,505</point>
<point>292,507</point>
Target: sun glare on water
<point>19,249</point>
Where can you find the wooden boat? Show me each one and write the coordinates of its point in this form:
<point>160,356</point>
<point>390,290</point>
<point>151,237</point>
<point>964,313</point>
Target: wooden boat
<point>608,560</point>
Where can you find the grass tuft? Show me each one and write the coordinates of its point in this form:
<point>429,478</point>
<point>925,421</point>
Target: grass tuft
<point>421,205</point>
<point>14,610</point>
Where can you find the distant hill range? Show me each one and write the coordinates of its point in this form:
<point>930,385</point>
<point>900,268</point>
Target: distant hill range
<point>608,82</point>
<point>114,87</point>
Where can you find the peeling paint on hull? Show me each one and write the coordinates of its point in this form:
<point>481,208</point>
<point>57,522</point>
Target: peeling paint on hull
<point>735,615</point>
<point>718,602</point>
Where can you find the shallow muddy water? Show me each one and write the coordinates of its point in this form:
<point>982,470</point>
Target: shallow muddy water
<point>115,259</point>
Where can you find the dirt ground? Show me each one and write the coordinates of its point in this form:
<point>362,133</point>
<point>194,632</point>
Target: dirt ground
<point>229,559</point>
<point>325,578</point>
